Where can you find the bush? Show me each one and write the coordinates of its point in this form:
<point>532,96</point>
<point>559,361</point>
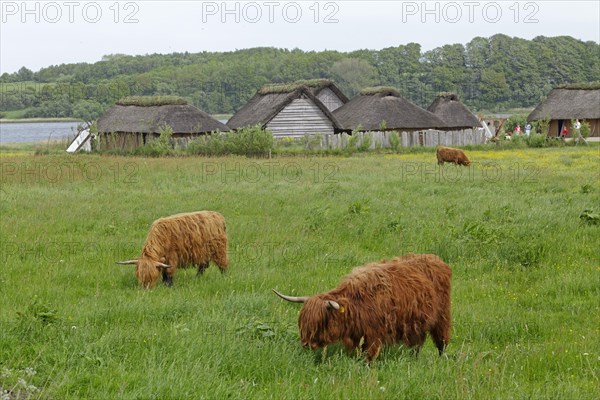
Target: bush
<point>511,122</point>
<point>159,147</point>
<point>395,141</point>
<point>367,139</point>
<point>250,142</point>
<point>585,129</point>
<point>536,140</point>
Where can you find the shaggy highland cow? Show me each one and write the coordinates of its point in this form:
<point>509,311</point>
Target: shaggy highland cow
<point>450,155</point>
<point>391,301</point>
<point>181,240</point>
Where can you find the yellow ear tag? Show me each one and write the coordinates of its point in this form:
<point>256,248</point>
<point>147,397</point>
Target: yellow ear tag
<point>342,309</point>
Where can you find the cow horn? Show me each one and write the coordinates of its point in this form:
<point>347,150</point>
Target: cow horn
<point>127,262</point>
<point>162,265</point>
<point>291,298</point>
<point>333,304</point>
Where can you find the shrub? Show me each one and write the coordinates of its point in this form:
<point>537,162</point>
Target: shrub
<point>250,142</point>
<point>367,139</point>
<point>542,126</point>
<point>536,140</point>
<point>159,147</point>
<point>585,129</point>
<point>395,140</point>
<point>513,120</point>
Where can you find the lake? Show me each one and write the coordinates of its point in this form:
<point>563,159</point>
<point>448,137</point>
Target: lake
<point>27,132</point>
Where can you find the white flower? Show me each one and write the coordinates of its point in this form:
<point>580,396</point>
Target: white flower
<point>32,388</point>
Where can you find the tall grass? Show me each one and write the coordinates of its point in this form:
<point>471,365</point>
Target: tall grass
<point>525,285</point>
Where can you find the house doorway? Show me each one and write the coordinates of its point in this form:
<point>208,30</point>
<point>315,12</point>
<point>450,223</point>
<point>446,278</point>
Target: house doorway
<point>561,124</point>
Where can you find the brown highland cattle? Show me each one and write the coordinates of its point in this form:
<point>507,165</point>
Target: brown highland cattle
<point>391,301</point>
<point>450,155</point>
<point>181,240</point>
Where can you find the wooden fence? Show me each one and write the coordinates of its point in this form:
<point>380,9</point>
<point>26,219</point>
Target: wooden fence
<point>359,140</point>
<point>377,139</point>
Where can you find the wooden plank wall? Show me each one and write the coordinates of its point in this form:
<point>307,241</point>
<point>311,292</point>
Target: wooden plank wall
<point>299,118</point>
<point>429,138</point>
<point>329,99</point>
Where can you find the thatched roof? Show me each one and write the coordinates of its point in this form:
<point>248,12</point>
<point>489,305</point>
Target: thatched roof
<point>147,101</point>
<point>269,101</point>
<point>315,86</point>
<point>373,106</point>
<point>152,116</point>
<point>455,114</point>
<point>386,90</point>
<point>574,101</point>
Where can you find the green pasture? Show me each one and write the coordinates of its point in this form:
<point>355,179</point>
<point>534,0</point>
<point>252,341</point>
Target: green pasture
<point>520,229</point>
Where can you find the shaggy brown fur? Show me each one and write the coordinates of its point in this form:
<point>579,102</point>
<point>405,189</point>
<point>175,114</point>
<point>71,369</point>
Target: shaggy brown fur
<point>182,240</point>
<point>440,275</point>
<point>450,155</point>
<point>380,303</point>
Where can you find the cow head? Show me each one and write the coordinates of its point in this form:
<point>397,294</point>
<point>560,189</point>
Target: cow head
<point>147,271</point>
<point>320,320</point>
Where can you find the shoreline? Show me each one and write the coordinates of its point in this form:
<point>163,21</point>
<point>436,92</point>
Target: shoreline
<point>36,120</point>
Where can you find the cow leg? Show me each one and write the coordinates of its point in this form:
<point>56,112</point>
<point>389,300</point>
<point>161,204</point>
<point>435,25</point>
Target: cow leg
<point>201,268</point>
<point>440,335</point>
<point>416,342</point>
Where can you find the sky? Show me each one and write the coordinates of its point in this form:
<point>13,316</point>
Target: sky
<point>37,34</point>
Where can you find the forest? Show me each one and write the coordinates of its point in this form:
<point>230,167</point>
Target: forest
<point>489,74</point>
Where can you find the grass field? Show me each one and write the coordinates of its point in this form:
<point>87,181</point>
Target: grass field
<point>525,285</point>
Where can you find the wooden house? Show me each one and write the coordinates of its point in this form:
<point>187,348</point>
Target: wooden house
<point>136,120</point>
<point>290,110</point>
<point>570,102</point>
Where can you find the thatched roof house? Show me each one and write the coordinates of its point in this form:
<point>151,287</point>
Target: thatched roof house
<point>286,110</point>
<point>323,89</point>
<point>564,103</point>
<point>133,121</point>
<point>455,114</point>
<point>384,109</point>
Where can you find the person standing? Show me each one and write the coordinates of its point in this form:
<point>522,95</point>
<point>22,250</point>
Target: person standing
<point>564,132</point>
<point>517,130</point>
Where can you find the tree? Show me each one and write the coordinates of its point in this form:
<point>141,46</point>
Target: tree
<point>353,74</point>
<point>87,110</point>
<point>25,74</point>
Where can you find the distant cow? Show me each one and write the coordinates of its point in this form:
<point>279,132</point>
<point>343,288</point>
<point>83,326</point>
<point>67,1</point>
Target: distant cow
<point>391,301</point>
<point>181,240</point>
<point>450,155</point>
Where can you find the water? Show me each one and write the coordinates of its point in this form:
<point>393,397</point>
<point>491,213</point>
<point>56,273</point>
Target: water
<point>28,132</point>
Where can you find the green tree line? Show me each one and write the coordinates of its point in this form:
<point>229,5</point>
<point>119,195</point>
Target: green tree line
<point>493,73</point>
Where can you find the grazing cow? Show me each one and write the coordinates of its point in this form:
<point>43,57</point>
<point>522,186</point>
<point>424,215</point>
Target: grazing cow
<point>381,303</point>
<point>450,155</point>
<point>181,240</point>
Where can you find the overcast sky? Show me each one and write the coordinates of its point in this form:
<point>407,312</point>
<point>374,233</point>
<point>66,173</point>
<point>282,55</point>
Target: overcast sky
<point>38,34</point>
